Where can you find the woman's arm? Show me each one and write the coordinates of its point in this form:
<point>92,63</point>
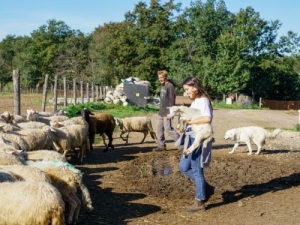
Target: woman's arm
<point>199,120</point>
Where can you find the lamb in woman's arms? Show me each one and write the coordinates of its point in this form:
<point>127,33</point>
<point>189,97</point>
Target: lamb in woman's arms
<point>203,132</point>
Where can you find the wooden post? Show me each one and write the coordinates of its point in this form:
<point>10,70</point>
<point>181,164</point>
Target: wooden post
<point>87,93</point>
<point>299,117</point>
<point>93,92</point>
<point>65,92</point>
<point>17,92</point>
<point>97,92</point>
<point>74,91</point>
<point>81,92</point>
<point>100,90</point>
<point>45,93</point>
<point>55,94</point>
<point>260,104</point>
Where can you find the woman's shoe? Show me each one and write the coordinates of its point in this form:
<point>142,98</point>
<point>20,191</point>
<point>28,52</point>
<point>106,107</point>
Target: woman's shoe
<point>197,206</point>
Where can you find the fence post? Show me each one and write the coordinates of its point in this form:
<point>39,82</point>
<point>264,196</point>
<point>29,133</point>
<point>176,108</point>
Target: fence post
<point>299,116</point>
<point>100,90</point>
<point>87,93</point>
<point>260,104</point>
<point>55,94</point>
<point>45,93</point>
<point>93,92</point>
<point>81,92</point>
<point>17,92</point>
<point>65,92</point>
<point>74,91</point>
<point>97,93</point>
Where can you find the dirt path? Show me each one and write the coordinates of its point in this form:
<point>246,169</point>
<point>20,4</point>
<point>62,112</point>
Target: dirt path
<point>133,185</point>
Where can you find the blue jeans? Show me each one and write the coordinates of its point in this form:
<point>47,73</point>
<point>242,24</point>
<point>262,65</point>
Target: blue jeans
<point>191,167</point>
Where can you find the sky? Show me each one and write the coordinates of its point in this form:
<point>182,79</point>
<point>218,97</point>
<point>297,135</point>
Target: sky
<point>22,17</point>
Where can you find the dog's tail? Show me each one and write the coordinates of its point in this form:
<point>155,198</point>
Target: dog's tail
<point>274,133</point>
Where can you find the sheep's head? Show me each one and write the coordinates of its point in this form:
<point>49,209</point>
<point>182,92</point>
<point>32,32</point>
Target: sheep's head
<point>85,113</point>
<point>174,111</point>
<point>119,122</point>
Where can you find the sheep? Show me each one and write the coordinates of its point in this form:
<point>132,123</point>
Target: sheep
<point>38,138</point>
<point>27,202</point>
<point>31,125</point>
<point>66,178</point>
<point>34,116</point>
<point>99,124</point>
<point>45,155</point>
<point>135,124</point>
<point>203,132</point>
<point>72,136</point>
<point>7,176</point>
<point>28,173</point>
<point>16,141</point>
<point>11,158</point>
<point>11,118</point>
<point>41,114</point>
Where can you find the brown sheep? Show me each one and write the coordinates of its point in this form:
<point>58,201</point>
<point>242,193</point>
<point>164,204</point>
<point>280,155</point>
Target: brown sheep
<point>101,123</point>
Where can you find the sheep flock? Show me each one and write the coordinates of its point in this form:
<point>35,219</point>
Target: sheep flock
<point>34,153</point>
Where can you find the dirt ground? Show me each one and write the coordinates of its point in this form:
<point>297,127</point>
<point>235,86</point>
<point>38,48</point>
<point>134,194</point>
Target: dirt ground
<point>134,185</point>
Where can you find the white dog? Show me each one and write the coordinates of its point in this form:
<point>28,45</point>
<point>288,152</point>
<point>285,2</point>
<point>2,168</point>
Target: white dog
<point>245,134</point>
<point>204,132</point>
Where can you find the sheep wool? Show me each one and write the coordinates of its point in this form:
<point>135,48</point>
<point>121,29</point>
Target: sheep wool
<point>39,203</point>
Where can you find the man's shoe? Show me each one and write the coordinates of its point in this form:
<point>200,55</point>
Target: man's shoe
<point>159,149</point>
<point>197,206</point>
<point>209,191</point>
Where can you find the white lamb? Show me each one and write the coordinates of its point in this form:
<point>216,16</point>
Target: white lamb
<point>27,202</point>
<point>135,124</point>
<point>203,132</point>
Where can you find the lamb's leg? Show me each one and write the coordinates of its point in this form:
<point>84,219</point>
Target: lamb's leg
<point>103,138</point>
<point>153,135</point>
<point>73,206</point>
<point>92,140</point>
<point>78,203</point>
<point>127,137</point>
<point>121,135</point>
<point>145,135</point>
<point>234,148</point>
<point>194,146</point>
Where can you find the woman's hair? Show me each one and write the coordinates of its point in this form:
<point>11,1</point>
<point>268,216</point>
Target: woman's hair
<point>195,82</point>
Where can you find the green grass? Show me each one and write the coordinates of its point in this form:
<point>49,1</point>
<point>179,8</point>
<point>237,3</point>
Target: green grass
<point>115,110</point>
<point>297,127</point>
<point>223,105</point>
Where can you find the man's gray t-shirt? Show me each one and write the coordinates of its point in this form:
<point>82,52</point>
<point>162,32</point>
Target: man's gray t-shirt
<point>167,99</point>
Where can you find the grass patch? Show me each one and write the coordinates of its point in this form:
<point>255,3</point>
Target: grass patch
<point>115,110</point>
<point>297,127</point>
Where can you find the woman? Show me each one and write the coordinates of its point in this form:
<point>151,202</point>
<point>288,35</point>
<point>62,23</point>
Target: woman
<point>193,165</point>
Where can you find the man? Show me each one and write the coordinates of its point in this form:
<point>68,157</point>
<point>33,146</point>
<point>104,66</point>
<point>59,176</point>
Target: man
<point>167,99</point>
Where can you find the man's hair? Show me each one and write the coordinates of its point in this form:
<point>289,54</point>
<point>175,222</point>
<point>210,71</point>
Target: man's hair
<point>162,72</point>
